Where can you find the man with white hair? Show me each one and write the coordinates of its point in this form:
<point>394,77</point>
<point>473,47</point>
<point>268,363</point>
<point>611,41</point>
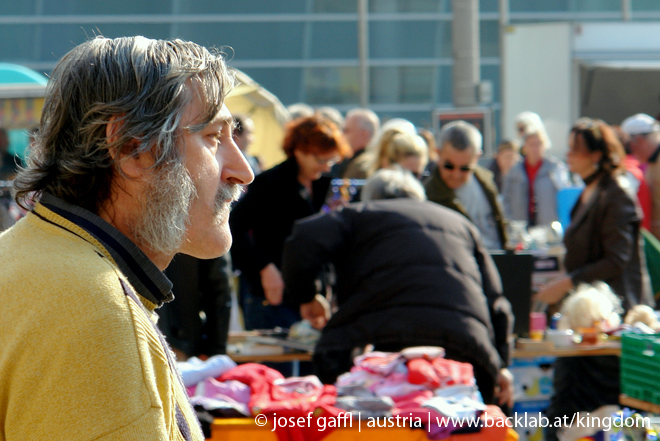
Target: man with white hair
<point>644,133</point>
<point>409,273</point>
<point>360,127</point>
<point>462,185</point>
<point>134,162</point>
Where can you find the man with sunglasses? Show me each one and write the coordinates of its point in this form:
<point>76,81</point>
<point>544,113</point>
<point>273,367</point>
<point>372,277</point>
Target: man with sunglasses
<point>462,185</point>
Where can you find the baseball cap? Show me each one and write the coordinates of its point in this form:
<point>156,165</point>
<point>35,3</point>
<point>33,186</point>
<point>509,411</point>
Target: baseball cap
<point>640,124</point>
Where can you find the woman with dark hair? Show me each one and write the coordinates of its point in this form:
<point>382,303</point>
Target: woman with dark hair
<point>603,243</point>
<point>264,217</point>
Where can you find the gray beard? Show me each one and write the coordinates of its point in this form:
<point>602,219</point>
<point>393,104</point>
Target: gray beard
<point>165,218</point>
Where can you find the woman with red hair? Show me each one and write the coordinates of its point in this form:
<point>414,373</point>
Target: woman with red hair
<point>263,219</point>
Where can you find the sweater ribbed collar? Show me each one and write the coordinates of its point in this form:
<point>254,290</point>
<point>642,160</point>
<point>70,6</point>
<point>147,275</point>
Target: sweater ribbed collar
<point>141,272</point>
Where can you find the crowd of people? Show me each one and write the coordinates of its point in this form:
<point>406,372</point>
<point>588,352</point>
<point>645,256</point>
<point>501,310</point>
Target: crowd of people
<point>139,177</point>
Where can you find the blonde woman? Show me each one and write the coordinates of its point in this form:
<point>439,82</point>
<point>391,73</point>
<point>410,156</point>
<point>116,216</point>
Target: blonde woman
<point>397,148</point>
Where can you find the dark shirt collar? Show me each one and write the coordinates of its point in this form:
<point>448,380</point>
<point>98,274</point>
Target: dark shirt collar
<point>141,272</point>
<point>654,156</point>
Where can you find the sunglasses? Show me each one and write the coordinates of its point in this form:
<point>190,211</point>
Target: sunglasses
<point>463,168</point>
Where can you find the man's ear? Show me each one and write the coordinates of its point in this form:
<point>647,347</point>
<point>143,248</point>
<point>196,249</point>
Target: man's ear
<point>132,165</point>
<point>112,134</point>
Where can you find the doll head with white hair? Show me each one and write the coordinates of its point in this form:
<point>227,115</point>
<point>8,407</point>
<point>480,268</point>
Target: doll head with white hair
<point>591,306</point>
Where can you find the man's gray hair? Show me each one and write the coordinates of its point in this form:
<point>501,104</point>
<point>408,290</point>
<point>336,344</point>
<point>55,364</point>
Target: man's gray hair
<point>392,183</point>
<point>462,136</point>
<point>144,86</point>
<point>366,118</point>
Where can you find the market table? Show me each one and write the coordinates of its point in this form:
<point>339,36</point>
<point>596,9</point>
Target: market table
<point>607,348</point>
<point>271,358</point>
<point>242,349</point>
<point>625,400</point>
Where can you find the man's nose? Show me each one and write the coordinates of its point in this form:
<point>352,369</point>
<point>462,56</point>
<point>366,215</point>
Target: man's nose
<point>235,168</point>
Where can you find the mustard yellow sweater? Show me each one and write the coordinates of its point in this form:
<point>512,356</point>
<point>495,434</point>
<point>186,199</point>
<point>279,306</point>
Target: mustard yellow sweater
<point>79,359</point>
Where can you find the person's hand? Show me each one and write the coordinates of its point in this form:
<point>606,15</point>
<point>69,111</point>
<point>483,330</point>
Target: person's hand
<point>555,291</point>
<point>504,388</point>
<point>317,312</point>
<point>272,283</point>
<point>335,203</point>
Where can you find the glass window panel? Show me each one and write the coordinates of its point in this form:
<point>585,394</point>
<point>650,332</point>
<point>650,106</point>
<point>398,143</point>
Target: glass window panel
<point>497,120</point>
<point>410,39</point>
<point>23,7</point>
<point>410,6</point>
<point>383,82</point>
<point>489,6</point>
<point>334,40</point>
<point>284,83</point>
<point>535,6</point>
<point>331,85</point>
<point>70,35</point>
<point>249,40</point>
<point>567,5</point>
<point>402,84</point>
<point>416,84</point>
<point>445,84</point>
<point>243,6</point>
<point>334,6</point>
<point>22,43</point>
<point>489,38</point>
<point>91,7</point>
<point>492,73</point>
<point>645,5</point>
<point>596,5</point>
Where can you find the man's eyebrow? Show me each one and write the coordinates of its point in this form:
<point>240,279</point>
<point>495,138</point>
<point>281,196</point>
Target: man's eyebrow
<point>225,120</point>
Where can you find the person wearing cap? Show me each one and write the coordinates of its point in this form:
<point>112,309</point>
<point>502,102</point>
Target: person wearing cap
<point>644,132</point>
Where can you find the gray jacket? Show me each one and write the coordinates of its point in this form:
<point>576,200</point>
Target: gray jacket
<point>551,177</point>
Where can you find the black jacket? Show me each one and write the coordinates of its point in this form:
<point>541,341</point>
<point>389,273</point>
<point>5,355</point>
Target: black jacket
<point>264,217</point>
<point>603,243</point>
<point>408,272</point>
<point>198,285</point>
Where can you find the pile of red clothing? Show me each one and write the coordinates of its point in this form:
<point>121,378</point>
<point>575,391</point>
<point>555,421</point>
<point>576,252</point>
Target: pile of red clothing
<point>421,383</point>
<point>277,397</point>
<point>415,383</point>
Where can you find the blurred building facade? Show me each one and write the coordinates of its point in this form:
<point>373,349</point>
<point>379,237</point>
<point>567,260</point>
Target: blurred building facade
<point>303,50</point>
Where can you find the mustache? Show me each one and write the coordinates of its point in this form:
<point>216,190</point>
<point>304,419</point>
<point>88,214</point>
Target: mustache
<point>227,192</point>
